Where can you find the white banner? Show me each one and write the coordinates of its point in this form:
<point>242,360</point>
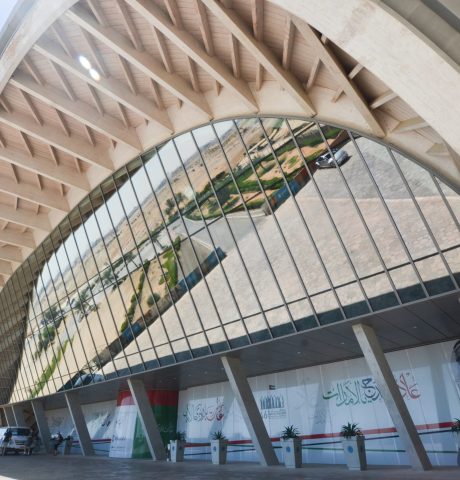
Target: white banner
<point>319,400</point>
<point>123,432</point>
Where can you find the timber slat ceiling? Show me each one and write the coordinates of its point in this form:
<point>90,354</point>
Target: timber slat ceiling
<point>163,66</point>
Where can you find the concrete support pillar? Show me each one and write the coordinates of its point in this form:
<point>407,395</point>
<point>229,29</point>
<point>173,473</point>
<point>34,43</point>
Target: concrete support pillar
<point>391,395</point>
<point>73,403</point>
<point>147,419</point>
<point>18,413</point>
<point>43,429</point>
<point>251,415</point>
<point>10,420</point>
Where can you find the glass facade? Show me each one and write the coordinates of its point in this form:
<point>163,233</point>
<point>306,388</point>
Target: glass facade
<point>233,233</point>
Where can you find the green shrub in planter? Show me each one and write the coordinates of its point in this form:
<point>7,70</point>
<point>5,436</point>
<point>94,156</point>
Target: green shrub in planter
<point>354,447</point>
<point>219,445</point>
<point>177,447</point>
<point>291,444</point>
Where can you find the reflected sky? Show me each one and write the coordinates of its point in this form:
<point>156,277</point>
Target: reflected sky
<point>6,7</point>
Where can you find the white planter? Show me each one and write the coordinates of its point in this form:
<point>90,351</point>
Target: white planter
<point>458,457</point>
<point>355,452</point>
<point>292,452</point>
<point>219,452</point>
<point>177,449</point>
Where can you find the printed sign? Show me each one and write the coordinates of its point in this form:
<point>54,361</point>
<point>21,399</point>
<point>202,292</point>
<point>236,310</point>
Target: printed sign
<point>205,412</point>
<point>364,390</point>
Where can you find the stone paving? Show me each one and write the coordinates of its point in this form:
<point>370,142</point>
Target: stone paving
<point>44,467</point>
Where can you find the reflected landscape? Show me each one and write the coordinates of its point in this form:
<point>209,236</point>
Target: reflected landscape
<point>236,232</point>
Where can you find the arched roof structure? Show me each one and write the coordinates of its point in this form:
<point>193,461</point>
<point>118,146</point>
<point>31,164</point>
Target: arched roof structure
<point>87,85</point>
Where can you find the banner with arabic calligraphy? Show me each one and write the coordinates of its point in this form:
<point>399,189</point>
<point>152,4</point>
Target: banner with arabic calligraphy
<point>361,391</point>
<point>319,400</point>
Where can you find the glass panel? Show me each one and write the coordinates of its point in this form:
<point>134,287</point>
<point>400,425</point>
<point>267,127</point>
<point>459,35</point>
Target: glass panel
<point>234,233</point>
<point>407,236</point>
<point>435,212</point>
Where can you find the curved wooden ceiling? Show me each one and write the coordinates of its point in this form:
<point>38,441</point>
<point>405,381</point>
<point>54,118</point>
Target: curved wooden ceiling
<point>159,67</point>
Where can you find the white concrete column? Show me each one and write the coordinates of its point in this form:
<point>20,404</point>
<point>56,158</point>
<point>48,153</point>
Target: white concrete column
<point>73,403</point>
<point>43,429</point>
<point>391,395</point>
<point>147,419</point>
<point>251,415</point>
<point>10,420</point>
<point>18,413</point>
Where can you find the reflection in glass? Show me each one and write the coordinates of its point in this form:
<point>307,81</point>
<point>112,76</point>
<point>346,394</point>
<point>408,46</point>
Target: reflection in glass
<point>233,233</point>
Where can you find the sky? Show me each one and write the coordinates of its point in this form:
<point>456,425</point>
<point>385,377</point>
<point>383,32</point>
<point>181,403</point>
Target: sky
<point>5,9</point>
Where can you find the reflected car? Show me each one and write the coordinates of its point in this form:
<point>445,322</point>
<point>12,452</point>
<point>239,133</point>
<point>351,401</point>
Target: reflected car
<point>18,438</point>
<point>327,161</point>
<point>81,379</point>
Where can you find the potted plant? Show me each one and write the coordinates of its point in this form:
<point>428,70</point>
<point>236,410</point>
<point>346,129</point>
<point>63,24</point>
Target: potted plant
<point>177,447</point>
<point>219,448</point>
<point>291,444</point>
<point>353,446</point>
<point>456,429</point>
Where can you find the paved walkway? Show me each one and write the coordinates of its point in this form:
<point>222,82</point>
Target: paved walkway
<point>43,467</point>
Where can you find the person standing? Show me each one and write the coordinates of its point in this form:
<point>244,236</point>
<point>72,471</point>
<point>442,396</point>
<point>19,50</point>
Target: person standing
<point>28,443</point>
<point>6,440</point>
<point>58,439</point>
<point>34,442</point>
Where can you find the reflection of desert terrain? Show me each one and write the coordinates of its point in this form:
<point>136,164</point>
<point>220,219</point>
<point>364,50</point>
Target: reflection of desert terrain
<point>115,315</point>
<point>312,278</point>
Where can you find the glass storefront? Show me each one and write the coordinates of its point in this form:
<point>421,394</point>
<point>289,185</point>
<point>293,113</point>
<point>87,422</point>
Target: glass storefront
<point>233,233</point>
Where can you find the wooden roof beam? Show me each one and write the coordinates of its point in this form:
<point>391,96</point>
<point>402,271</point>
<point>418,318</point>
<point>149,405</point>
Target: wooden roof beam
<point>163,49</point>
<point>206,34</point>
<point>385,97</point>
<point>141,60</point>
<point>109,86</point>
<point>313,73</point>
<point>11,254</point>
<point>95,53</point>
<point>63,81</point>
<point>330,61</point>
<point>26,218</point>
<point>205,30</point>
<point>173,12</point>
<point>288,43</point>
<point>5,268</point>
<point>235,56</point>
<point>191,47</point>
<point>129,24</point>
<point>261,53</point>
<point>257,14</point>
<point>410,125</point>
<point>48,134</point>
<point>79,110</point>
<point>355,70</point>
<point>34,194</point>
<point>20,239</point>
<point>439,150</point>
<point>43,166</point>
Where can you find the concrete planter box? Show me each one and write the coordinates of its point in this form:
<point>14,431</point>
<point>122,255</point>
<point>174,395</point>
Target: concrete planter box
<point>219,452</point>
<point>355,452</point>
<point>292,452</point>
<point>177,449</point>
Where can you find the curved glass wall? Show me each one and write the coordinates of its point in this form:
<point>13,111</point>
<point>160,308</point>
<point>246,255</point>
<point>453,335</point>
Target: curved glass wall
<point>236,232</point>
